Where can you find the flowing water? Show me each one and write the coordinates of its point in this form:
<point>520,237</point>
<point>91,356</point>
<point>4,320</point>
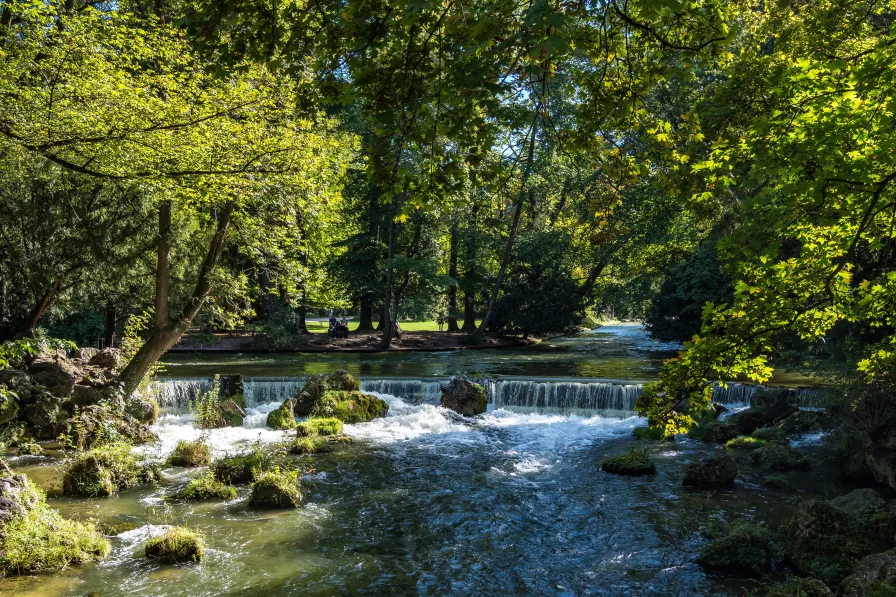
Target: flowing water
<point>424,503</point>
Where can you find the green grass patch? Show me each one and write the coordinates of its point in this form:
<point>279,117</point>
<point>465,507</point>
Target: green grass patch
<point>40,539</point>
<point>188,453</point>
<point>240,468</point>
<point>176,546</point>
<point>105,471</point>
<point>206,488</point>
<point>310,445</point>
<point>319,426</point>
<point>744,443</point>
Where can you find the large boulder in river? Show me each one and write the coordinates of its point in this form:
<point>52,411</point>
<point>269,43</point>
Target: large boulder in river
<point>55,372</point>
<point>317,385</point>
<point>881,461</point>
<point>464,397</point>
<point>821,541</point>
<point>350,406</point>
<point>714,472</point>
<point>874,576</point>
<point>858,501</point>
<point>283,417</point>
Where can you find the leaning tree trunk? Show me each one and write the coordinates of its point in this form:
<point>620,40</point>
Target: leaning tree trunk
<point>514,226</point>
<point>167,331</point>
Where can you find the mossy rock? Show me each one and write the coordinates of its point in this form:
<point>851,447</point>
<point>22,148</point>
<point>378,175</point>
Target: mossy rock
<point>780,458</point>
<point>652,434</point>
<point>310,445</point>
<point>239,399</point>
<point>464,397</point>
<point>769,434</point>
<point>874,576</point>
<point>350,407</point>
<point>104,471</point>
<point>188,453</point>
<point>276,489</point>
<point>239,468</point>
<point>176,546</point>
<point>742,549</point>
<point>777,482</point>
<point>343,381</point>
<point>744,443</point>
<point>711,431</point>
<point>805,421</point>
<point>283,417</point>
<point>636,463</point>
<point>714,472</point>
<point>821,542</point>
<point>36,538</point>
<point>206,488</point>
<point>329,426</point>
<point>799,587</point>
<point>317,385</point>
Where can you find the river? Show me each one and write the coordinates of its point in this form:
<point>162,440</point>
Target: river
<point>512,504</point>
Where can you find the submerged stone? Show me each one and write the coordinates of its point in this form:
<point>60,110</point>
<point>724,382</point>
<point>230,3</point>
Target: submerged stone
<point>780,458</point>
<point>636,463</point>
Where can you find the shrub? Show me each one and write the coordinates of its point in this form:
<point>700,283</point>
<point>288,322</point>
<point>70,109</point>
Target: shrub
<point>309,445</point>
<point>206,488</point>
<point>740,548</point>
<point>188,453</point>
<point>328,426</point>
<point>177,545</point>
<point>744,443</point>
<point>40,539</point>
<point>104,471</point>
<point>205,407</point>
<point>276,489</point>
<point>636,462</point>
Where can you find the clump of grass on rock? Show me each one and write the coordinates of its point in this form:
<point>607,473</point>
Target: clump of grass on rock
<point>739,548</point>
<point>188,453</point>
<point>241,468</point>
<point>206,488</point>
<point>310,445</point>
<point>636,462</point>
<point>780,458</point>
<point>276,489</point>
<point>319,426</point>
<point>177,545</point>
<point>104,471</point>
<point>36,538</point>
<point>744,443</point>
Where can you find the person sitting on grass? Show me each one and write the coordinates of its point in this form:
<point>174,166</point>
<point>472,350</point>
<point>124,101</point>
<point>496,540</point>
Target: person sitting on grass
<point>341,329</point>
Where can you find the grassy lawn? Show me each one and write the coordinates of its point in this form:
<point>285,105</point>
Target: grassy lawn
<point>320,327</point>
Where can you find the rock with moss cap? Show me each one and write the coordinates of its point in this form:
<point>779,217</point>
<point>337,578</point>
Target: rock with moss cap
<point>744,443</point>
<point>779,457</point>
<point>34,537</point>
<point>874,576</point>
<point>858,502</point>
<point>464,397</point>
<point>176,546</point>
<point>283,417</point>
<point>240,468</point>
<point>718,471</point>
<point>741,548</point>
<point>310,445</point>
<point>206,488</point>
<point>317,385</point>
<point>105,471</point>
<point>712,431</point>
<point>350,407</point>
<point>315,426</point>
<point>799,587</point>
<point>276,489</point>
<point>635,463</point>
<point>190,453</point>
<point>821,542</point>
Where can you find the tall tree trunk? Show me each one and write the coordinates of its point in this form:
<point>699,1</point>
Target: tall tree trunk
<point>365,323</point>
<point>43,303</point>
<point>514,226</point>
<point>168,331</point>
<point>469,312</point>
<point>452,273</point>
<point>109,338</point>
<point>387,316</point>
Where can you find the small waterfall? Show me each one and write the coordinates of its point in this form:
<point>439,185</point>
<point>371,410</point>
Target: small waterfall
<point>176,394</point>
<point>742,393</point>
<point>263,390</point>
<point>412,390</point>
<point>563,396</point>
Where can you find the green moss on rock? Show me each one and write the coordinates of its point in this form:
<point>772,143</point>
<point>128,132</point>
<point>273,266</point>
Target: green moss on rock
<point>711,431</point>
<point>652,434</point>
<point>36,538</point>
<point>820,542</point>
<point>206,488</point>
<point>239,468</point>
<point>739,548</point>
<point>714,472</point>
<point>176,546</point>
<point>104,471</point>
<point>769,434</point>
<point>780,458</point>
<point>283,417</point>
<point>188,453</point>
<point>310,445</point>
<point>777,482</point>
<point>329,426</point>
<point>744,443</point>
<point>636,462</point>
<point>350,406</point>
<point>276,489</point>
